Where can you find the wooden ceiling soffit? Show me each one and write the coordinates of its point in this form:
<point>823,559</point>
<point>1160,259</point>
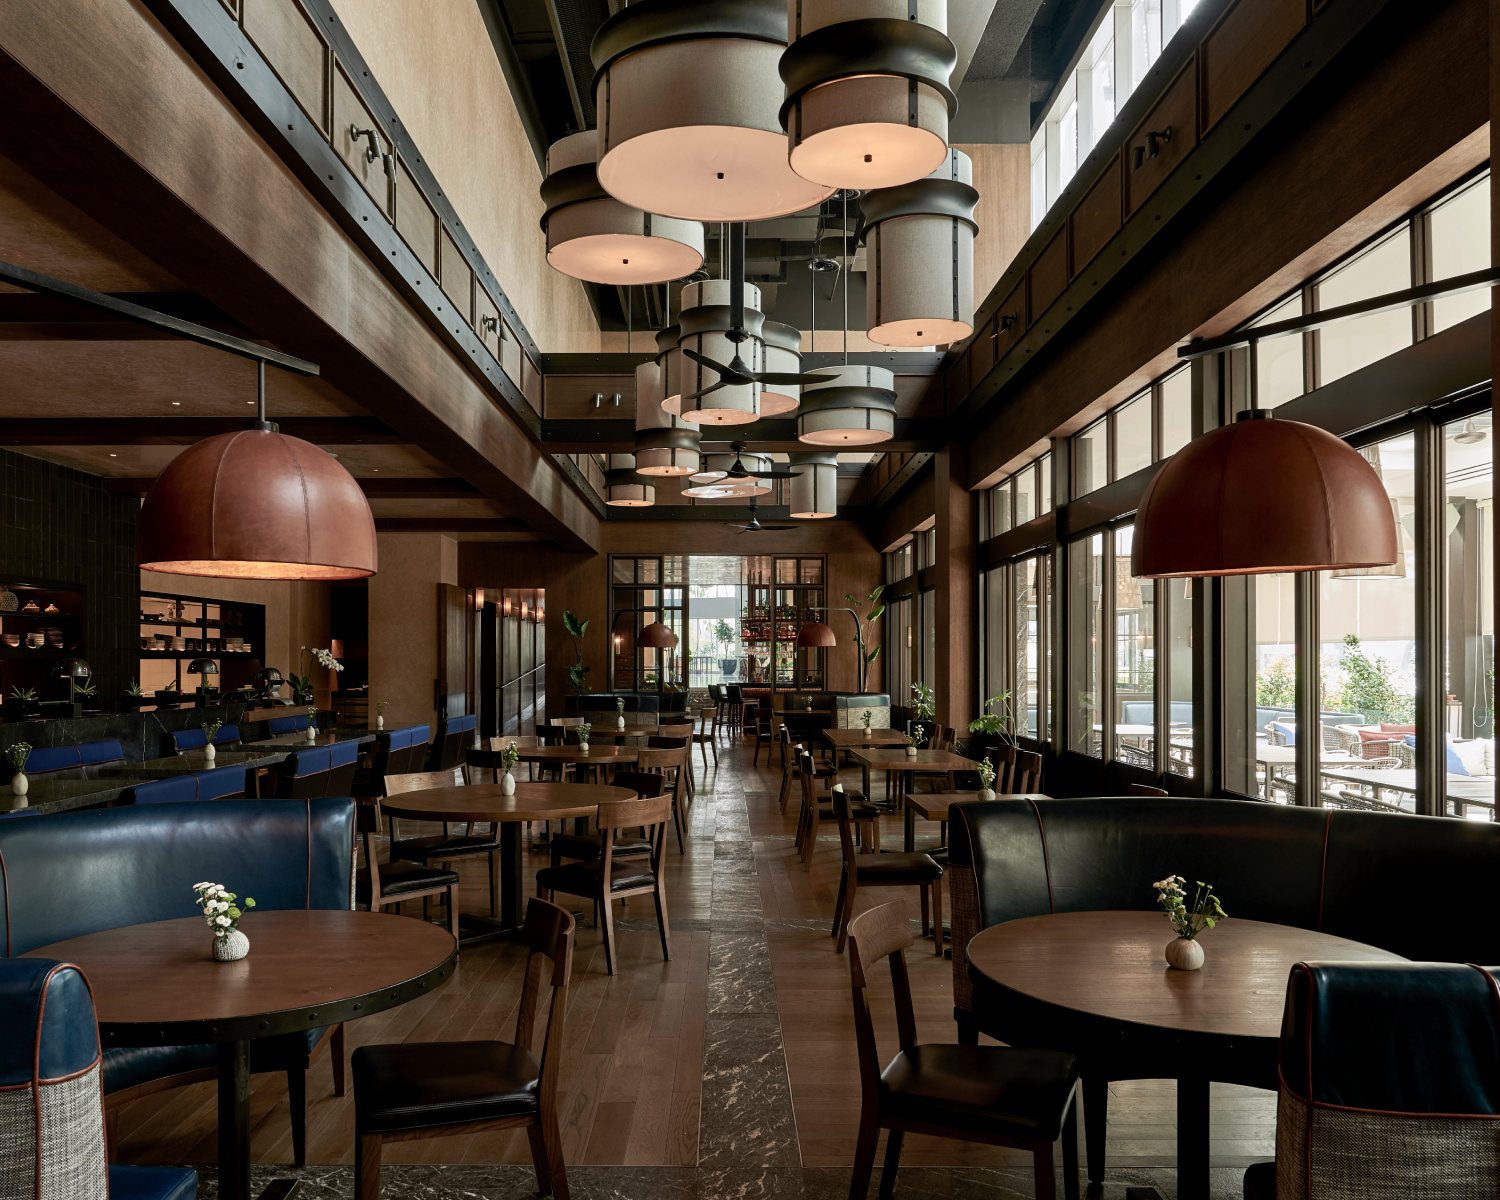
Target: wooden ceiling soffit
<point>375,489</point>
<point>451,525</point>
<point>1153,190</point>
<point>183,431</point>
<point>71,115</point>
<point>625,364</point>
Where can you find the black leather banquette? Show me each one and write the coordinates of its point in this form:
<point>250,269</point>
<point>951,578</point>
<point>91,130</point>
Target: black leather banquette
<point>73,873</point>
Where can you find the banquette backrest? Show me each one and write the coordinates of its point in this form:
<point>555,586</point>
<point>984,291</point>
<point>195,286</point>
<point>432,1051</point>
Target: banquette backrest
<point>453,734</point>
<point>72,873</point>
<point>318,771</point>
<point>1359,875</point>
<point>222,783</point>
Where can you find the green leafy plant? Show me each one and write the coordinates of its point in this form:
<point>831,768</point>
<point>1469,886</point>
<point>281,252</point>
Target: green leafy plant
<point>87,688</point>
<point>211,730</point>
<point>577,672</point>
<point>865,720</point>
<point>619,704</point>
<point>380,707</point>
<point>219,909</point>
<point>16,754</point>
<point>996,724</point>
<point>20,693</point>
<point>923,706</point>
<point>867,657</point>
<point>1276,685</point>
<point>510,756</point>
<point>1189,920</point>
<point>583,733</point>
<point>1369,688</point>
<point>171,687</point>
<point>723,633</point>
<point>987,774</point>
<point>134,689</point>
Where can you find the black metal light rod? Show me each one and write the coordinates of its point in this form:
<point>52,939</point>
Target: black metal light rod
<point>1390,302</point>
<point>45,285</point>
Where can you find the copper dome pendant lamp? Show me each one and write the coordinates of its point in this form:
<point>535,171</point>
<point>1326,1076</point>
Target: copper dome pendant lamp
<point>1317,505</point>
<point>257,504</point>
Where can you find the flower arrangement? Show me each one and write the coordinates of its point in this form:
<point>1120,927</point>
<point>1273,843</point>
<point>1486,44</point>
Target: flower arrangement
<point>1189,920</point>
<point>987,774</point>
<point>918,732</point>
<point>923,706</point>
<point>583,733</point>
<point>866,720</point>
<point>510,756</point>
<point>302,685</point>
<point>16,755</point>
<point>219,909</point>
<point>211,730</point>
<point>380,707</point>
<point>619,704</point>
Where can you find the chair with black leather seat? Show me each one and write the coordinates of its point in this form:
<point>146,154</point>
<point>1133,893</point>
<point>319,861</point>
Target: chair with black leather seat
<point>705,736</point>
<point>585,846</point>
<point>815,812</point>
<point>734,708</point>
<point>881,869</point>
<point>379,885</point>
<point>791,766</point>
<point>417,1090</point>
<point>51,1070</point>
<point>998,1095</point>
<point>608,878</point>
<point>1389,1084</point>
<point>447,846</point>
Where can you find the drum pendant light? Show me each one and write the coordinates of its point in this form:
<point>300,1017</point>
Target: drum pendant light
<point>688,97</point>
<point>713,480</point>
<point>856,407</point>
<point>868,100</point>
<point>704,326</point>
<point>1262,496</point>
<point>815,492</point>
<point>664,444</point>
<point>257,504</point>
<point>783,352</point>
<point>920,242</point>
<point>624,487</point>
<point>592,236</point>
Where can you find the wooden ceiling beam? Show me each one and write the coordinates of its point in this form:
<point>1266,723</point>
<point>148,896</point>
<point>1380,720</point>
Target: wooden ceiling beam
<point>452,525</point>
<point>160,431</point>
<point>375,489</point>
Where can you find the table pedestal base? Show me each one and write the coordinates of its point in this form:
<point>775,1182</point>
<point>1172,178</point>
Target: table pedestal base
<point>234,1128</point>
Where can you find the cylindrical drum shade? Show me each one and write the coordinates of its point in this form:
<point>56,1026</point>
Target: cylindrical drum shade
<point>664,445</point>
<point>704,324</point>
<point>784,356</point>
<point>920,262</point>
<point>624,487</point>
<point>591,235</point>
<point>856,407</point>
<point>815,492</point>
<point>1263,496</point>
<point>868,90</point>
<point>256,505</point>
<point>688,100</point>
<point>669,362</point>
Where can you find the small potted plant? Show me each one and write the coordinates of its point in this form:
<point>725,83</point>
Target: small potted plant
<point>22,704</point>
<point>509,757</point>
<point>312,727</point>
<point>88,695</point>
<point>620,708</point>
<point>168,696</point>
<point>133,697</point>
<point>994,728</point>
<point>724,636</point>
<point>923,709</point>
<point>865,720</point>
<point>986,780</point>
<point>917,733</point>
<point>16,754</point>
<point>1189,920</point>
<point>210,731</point>
<point>583,737</point>
<point>380,713</point>
<point>302,685</point>
<point>223,917</point>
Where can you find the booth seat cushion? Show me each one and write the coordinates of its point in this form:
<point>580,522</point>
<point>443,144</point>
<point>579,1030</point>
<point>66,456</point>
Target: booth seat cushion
<point>73,873</point>
<point>281,725</point>
<point>220,782</point>
<point>341,754</point>
<point>173,790</point>
<point>94,753</point>
<point>152,1183</point>
<point>129,1066</point>
<point>44,760</point>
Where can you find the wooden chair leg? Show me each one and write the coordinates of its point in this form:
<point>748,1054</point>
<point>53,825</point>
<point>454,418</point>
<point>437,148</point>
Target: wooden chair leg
<point>337,1057</point>
<point>1095,1123</point>
<point>892,1161</point>
<point>366,1166</point>
<point>606,911</point>
<point>112,1134</point>
<point>924,891</point>
<point>1041,1167</point>
<point>838,905</point>
<point>296,1095</point>
<point>663,928</point>
<point>539,1159</point>
<point>864,1153</point>
<point>494,858</point>
<point>1070,1151</point>
<point>552,1140</point>
<point>937,916</point>
<point>848,914</point>
<point>453,910</point>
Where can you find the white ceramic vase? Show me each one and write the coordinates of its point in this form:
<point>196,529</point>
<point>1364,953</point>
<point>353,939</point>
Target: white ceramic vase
<point>232,947</point>
<point>18,784</point>
<point>312,733</point>
<point>620,723</point>
<point>583,747</point>
<point>208,753</point>
<point>911,752</point>
<point>986,793</point>
<point>1185,954</point>
<point>507,784</point>
<point>379,722</point>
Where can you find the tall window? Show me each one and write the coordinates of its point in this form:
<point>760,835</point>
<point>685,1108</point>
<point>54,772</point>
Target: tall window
<point>1091,458</point>
<point>1272,622</point>
<point>1346,346</point>
<point>1279,373</point>
<point>1176,411</point>
<point>1133,436</point>
<point>1027,609</point>
<point>1458,232</point>
<point>1135,658</point>
<point>1086,603</point>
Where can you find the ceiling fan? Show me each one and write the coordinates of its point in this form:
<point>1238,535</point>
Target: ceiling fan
<point>738,470</point>
<point>755,526</point>
<point>735,373</point>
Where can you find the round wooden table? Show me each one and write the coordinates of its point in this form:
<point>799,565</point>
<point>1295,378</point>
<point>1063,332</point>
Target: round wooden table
<point>486,802</point>
<point>158,985</point>
<point>1097,985</point>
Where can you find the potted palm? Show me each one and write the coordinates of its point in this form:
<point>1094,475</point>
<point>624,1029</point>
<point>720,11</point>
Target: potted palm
<point>996,727</point>
<point>724,636</point>
<point>88,695</point>
<point>133,697</point>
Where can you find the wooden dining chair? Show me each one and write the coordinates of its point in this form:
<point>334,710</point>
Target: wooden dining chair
<point>762,734</point>
<point>413,1090</point>
<point>1026,775</point>
<point>997,1095</point>
<point>586,846</point>
<point>814,812</point>
<point>566,722</point>
<point>708,723</point>
<point>667,764</point>
<point>379,886</point>
<point>677,741</point>
<point>945,739</point>
<point>882,869</point>
<point>448,846</point>
<point>607,879</point>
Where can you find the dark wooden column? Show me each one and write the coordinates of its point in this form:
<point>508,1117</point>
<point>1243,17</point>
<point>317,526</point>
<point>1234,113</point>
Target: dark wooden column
<point>957,586</point>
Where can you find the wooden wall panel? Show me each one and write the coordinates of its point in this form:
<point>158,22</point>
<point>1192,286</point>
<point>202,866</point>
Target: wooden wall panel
<point>571,397</point>
<point>1177,112</point>
<point>1097,217</point>
<point>1002,176</point>
<point>297,52</point>
<point>1049,274</point>
<point>531,384</point>
<point>415,219</point>
<point>457,277</point>
<point>510,354</point>
<point>349,112</point>
<point>1241,45</point>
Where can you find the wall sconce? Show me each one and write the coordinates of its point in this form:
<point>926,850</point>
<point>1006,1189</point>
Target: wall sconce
<point>489,324</point>
<point>478,601</point>
<point>1155,140</point>
<point>523,610</point>
<point>372,150</point>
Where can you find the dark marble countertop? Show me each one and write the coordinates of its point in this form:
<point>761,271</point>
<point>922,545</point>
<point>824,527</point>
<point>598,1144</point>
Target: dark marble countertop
<point>62,795</point>
<point>193,760</point>
<point>326,737</point>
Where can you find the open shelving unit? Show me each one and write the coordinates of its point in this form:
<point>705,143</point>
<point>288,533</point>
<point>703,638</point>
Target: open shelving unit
<point>204,626</point>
